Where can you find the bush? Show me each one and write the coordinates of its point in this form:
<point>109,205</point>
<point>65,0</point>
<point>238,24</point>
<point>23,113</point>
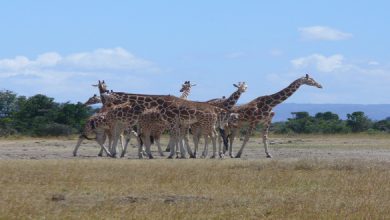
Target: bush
<point>54,129</point>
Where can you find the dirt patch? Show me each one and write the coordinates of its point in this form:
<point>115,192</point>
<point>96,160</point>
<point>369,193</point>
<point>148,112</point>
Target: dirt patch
<point>329,147</point>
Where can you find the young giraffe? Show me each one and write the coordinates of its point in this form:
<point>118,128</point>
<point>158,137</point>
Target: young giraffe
<point>174,110</point>
<point>95,99</point>
<point>259,111</point>
<point>94,125</point>
<point>226,104</point>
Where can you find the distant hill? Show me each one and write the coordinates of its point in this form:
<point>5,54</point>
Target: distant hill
<point>374,112</point>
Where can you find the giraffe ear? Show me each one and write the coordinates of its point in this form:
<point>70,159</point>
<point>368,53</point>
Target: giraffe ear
<point>235,85</point>
<point>307,76</point>
<point>193,84</point>
<point>95,85</point>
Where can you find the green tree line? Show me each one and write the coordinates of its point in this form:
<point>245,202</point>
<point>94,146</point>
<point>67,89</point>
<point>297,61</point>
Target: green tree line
<point>40,115</point>
<point>330,123</point>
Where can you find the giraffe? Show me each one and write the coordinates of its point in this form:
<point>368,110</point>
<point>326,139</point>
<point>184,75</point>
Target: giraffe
<point>185,90</point>
<point>150,128</point>
<point>95,99</point>
<point>94,125</point>
<point>174,110</point>
<point>226,104</point>
<point>259,111</point>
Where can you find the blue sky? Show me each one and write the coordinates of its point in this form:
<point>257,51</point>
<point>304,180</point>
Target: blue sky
<point>61,48</point>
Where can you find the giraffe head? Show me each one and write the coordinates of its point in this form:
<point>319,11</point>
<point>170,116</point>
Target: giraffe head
<point>186,86</point>
<point>94,122</point>
<point>95,99</point>
<point>241,86</point>
<point>102,87</point>
<point>310,81</point>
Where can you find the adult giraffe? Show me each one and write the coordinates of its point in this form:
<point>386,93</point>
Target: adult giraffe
<point>185,90</point>
<point>259,111</point>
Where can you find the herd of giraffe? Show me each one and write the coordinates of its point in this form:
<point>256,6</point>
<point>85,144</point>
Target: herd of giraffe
<point>148,116</point>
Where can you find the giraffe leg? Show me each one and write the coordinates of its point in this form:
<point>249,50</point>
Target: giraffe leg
<point>105,149</point>
<point>186,142</point>
<point>265,134</point>
<point>81,138</point>
<point>195,139</point>
<point>172,147</point>
<point>140,144</point>
<point>206,146</point>
<point>100,154</point>
<point>182,150</point>
<point>221,149</point>
<point>170,143</point>
<point>246,139</point>
<point>213,138</point>
<point>115,138</point>
<point>160,151</point>
<point>122,138</point>
<point>127,141</point>
<point>147,145</point>
<point>232,136</point>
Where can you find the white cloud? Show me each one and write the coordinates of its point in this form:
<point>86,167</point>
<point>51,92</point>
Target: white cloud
<point>54,74</point>
<point>15,64</point>
<point>323,33</point>
<point>108,59</point>
<point>116,58</point>
<point>320,62</point>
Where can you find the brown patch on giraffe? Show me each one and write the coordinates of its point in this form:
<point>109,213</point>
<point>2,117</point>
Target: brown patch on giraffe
<point>140,98</point>
<point>153,104</point>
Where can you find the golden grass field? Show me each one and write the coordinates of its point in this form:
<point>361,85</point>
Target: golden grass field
<point>310,177</point>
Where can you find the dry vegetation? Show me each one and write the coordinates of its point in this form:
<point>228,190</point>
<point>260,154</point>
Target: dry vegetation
<point>296,187</point>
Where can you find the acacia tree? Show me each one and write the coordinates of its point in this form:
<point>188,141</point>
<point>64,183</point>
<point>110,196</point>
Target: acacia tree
<point>358,121</point>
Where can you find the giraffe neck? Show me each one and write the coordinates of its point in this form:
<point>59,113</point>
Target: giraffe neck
<point>285,93</point>
<point>103,99</point>
<point>185,94</point>
<point>232,100</point>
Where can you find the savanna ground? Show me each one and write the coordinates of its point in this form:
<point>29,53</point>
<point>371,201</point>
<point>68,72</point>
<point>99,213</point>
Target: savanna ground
<point>309,177</point>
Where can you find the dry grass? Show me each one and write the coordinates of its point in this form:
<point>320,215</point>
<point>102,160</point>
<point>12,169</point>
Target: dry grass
<point>194,189</point>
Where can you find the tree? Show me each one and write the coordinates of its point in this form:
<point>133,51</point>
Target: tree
<point>327,116</point>
<point>300,115</point>
<point>34,112</point>
<point>382,125</point>
<point>7,103</point>
<point>73,115</point>
<point>358,121</point>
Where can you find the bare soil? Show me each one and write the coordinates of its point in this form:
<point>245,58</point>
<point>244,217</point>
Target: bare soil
<point>285,148</point>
